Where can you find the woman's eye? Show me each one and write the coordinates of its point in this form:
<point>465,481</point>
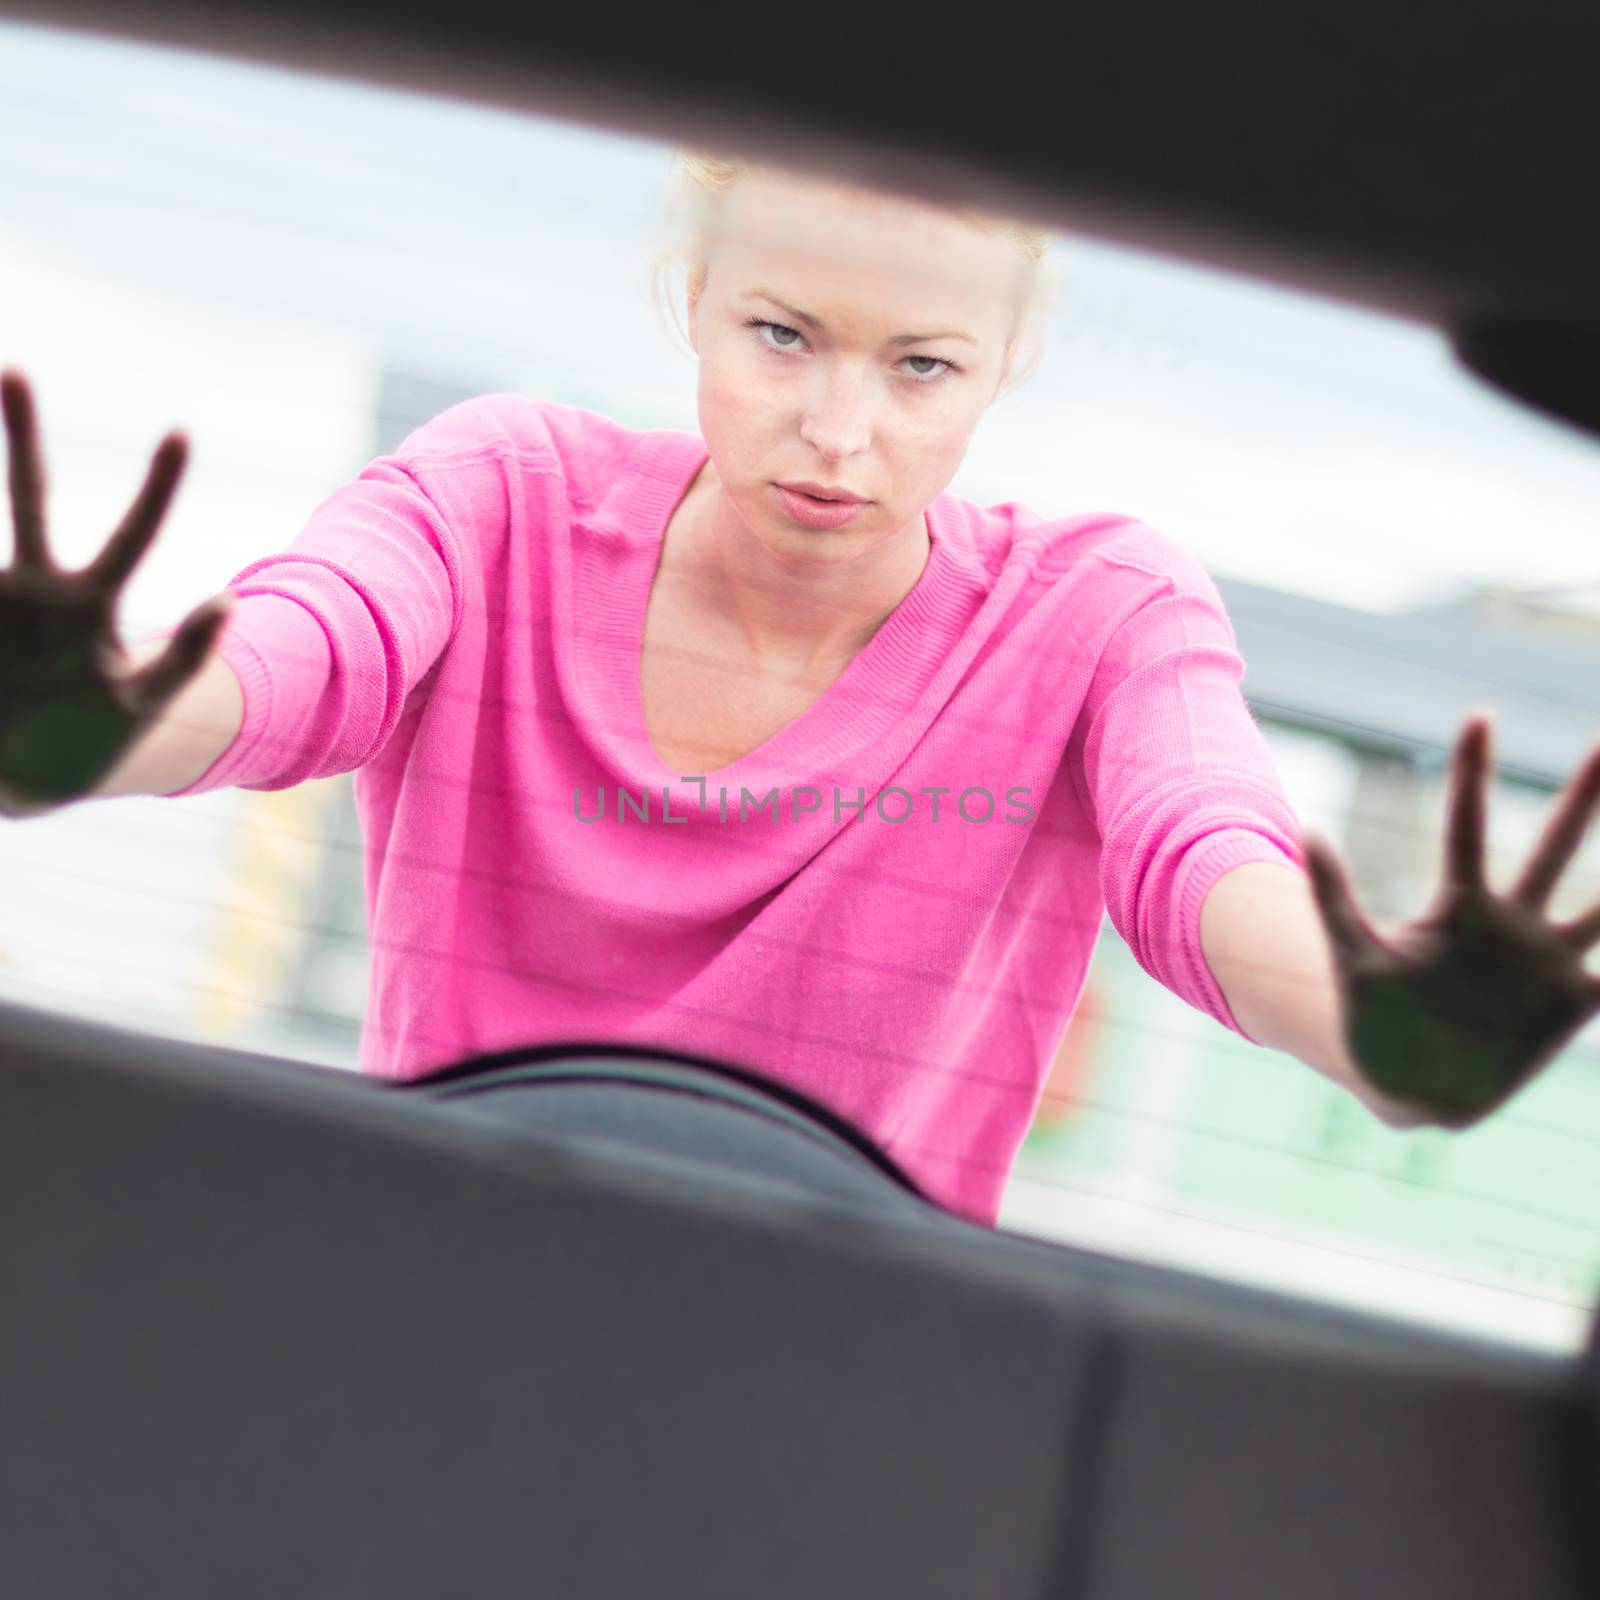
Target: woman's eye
<point>775,328</point>
<point>934,367</point>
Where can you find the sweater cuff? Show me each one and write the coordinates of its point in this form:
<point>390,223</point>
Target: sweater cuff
<point>1217,854</point>
<point>256,687</point>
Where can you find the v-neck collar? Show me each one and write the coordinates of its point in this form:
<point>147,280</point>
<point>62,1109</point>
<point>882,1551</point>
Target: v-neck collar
<point>611,583</point>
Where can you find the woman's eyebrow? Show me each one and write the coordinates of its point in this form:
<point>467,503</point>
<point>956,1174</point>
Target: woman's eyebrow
<point>806,317</point>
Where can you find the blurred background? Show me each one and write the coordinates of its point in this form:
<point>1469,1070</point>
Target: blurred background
<point>298,271</point>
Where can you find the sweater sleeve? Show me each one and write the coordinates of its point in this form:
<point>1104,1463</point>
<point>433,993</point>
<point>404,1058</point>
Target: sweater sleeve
<point>331,636</point>
<point>1177,774</point>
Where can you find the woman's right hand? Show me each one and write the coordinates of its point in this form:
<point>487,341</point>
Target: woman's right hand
<point>67,713</point>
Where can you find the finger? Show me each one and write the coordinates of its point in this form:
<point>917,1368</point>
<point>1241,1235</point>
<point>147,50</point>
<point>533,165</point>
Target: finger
<point>1347,929</point>
<point>149,689</point>
<point>1582,931</point>
<point>1464,828</point>
<point>1562,835</point>
<point>123,549</point>
<point>26,470</point>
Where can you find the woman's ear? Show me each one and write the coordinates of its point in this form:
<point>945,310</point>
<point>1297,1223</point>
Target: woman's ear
<point>1005,369</point>
<point>697,283</point>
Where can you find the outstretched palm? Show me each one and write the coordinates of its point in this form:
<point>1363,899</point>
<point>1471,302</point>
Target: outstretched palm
<point>1453,1012</point>
<point>66,711</point>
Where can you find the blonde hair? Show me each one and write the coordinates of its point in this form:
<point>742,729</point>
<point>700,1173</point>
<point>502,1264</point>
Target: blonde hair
<point>694,203</point>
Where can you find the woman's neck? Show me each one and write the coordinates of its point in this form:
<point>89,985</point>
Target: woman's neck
<point>800,615</point>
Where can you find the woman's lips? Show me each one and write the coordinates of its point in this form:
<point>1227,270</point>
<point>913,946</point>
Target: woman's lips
<point>814,513</point>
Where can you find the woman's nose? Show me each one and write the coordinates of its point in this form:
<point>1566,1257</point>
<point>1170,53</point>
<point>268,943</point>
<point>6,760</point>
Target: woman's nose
<point>839,412</point>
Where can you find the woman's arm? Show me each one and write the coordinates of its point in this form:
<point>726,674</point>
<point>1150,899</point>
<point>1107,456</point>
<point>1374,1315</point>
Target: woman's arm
<point>194,729</point>
<point>1201,857</point>
<point>327,638</point>
<point>1264,942</point>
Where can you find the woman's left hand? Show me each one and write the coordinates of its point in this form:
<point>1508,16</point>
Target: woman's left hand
<point>1452,1013</point>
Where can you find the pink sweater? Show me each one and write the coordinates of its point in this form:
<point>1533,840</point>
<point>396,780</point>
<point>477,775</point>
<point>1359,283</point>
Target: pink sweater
<point>899,920</point>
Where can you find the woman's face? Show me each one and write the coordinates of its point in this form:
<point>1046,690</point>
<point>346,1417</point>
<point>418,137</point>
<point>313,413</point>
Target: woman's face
<point>835,391</point>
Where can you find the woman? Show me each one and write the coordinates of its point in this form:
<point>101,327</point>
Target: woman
<point>766,747</point>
